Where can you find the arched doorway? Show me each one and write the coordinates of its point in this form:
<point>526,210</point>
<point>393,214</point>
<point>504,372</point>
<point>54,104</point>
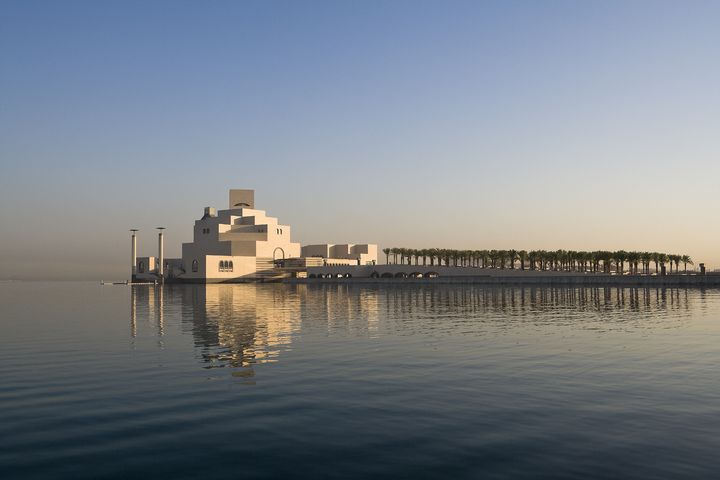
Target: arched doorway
<point>278,254</point>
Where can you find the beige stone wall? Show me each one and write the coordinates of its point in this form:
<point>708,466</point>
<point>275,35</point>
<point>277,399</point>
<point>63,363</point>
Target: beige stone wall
<point>340,251</point>
<point>244,249</point>
<point>191,252</point>
<point>146,265</point>
<point>289,249</point>
<point>362,253</point>
<point>322,250</point>
<point>242,267</point>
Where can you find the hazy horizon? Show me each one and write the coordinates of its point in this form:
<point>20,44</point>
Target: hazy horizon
<point>494,125</point>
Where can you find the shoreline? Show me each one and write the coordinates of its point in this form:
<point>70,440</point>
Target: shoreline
<point>536,280</point>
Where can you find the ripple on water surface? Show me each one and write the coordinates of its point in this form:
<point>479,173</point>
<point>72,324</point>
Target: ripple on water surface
<point>269,381</point>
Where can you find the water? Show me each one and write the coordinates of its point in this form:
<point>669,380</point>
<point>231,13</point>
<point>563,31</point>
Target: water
<point>274,381</point>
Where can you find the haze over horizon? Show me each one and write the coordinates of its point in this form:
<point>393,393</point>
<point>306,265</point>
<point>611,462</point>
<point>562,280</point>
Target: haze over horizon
<point>494,125</point>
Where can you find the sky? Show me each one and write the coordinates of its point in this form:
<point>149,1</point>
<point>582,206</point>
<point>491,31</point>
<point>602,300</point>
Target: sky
<point>474,125</point>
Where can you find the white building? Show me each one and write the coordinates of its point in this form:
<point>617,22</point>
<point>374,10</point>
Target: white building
<point>242,244</point>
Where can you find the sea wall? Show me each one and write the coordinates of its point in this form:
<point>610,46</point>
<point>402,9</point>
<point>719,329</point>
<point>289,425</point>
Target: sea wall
<point>407,274</point>
<point>629,281</point>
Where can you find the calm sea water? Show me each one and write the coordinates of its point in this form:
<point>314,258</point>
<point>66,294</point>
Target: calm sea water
<point>274,381</point>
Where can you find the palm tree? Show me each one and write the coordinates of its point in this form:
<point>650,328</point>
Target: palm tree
<point>558,260</point>
<point>476,254</point>
<point>484,255</point>
<point>581,261</point>
<point>672,258</point>
<point>424,253</point>
<point>646,258</point>
<point>686,259</point>
<point>656,259</point>
<point>432,254</point>
<point>522,255</point>
<point>607,261</point>
<point>662,257</point>
<point>620,257</point>
<point>532,258</point>
<point>493,254</point>
<point>633,258</point>
<point>512,256</point>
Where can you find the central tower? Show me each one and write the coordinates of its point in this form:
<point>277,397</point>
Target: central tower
<point>241,199</point>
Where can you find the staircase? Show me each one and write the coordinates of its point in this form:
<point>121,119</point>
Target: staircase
<point>265,271</point>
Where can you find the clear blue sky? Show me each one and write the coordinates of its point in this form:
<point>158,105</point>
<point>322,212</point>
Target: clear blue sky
<point>578,125</point>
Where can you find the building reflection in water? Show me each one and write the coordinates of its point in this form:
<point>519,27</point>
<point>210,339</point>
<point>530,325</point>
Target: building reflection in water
<point>148,304</point>
<point>242,325</point>
<point>249,323</point>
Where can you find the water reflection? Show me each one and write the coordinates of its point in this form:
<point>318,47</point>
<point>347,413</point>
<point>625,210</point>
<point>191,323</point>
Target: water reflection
<point>522,301</point>
<point>250,324</point>
<point>147,304</point>
<point>239,326</point>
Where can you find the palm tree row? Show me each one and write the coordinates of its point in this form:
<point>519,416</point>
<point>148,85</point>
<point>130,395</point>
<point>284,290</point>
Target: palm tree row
<point>558,260</point>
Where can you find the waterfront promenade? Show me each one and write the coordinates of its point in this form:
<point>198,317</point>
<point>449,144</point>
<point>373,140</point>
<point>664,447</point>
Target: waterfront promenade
<point>405,274</point>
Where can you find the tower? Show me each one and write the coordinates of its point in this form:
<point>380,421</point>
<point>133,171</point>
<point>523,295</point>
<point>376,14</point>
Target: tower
<point>242,199</point>
<point>161,255</point>
<point>133,254</point>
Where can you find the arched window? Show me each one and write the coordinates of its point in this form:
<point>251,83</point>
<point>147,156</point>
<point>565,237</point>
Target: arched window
<point>230,266</point>
<point>195,266</point>
<point>221,265</point>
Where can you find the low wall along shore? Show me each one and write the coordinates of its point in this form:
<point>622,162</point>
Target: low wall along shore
<point>404,274</point>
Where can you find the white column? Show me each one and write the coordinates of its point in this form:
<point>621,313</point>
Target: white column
<point>133,255</point>
<point>161,256</point>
